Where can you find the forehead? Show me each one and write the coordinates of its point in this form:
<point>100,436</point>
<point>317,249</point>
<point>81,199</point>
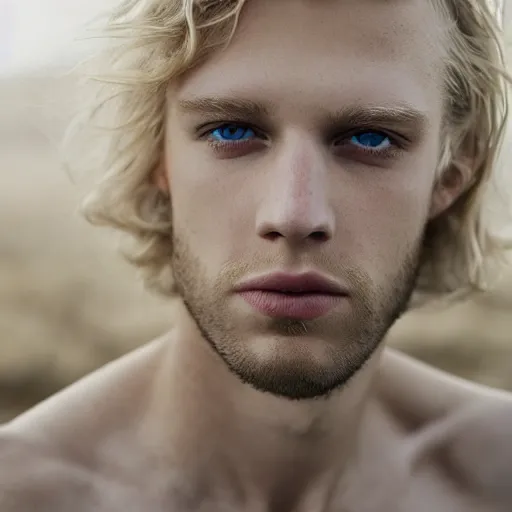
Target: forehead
<point>319,50</point>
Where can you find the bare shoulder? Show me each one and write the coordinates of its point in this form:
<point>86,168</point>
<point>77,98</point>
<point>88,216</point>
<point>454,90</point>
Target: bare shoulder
<point>477,442</point>
<point>34,477</point>
<point>465,427</point>
<point>422,394</point>
<point>92,404</point>
<point>53,457</point>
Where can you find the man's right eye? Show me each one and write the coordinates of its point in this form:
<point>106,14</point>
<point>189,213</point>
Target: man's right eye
<point>231,132</point>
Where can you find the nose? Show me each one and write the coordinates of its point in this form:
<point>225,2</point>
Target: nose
<point>296,203</point>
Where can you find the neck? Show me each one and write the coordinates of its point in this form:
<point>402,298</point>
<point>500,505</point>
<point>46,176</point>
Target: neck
<point>256,447</point>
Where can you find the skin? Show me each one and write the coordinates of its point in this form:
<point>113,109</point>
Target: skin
<point>233,410</point>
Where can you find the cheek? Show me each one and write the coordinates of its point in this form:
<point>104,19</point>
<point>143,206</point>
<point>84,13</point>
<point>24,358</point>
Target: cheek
<point>211,209</point>
<point>386,216</point>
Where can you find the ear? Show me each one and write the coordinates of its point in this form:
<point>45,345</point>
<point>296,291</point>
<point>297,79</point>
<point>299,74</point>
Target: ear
<point>160,179</point>
<point>450,185</point>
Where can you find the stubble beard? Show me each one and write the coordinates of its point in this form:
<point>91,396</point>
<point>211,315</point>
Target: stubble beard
<point>293,373</point>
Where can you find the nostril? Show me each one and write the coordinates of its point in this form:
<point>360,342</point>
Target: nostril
<point>319,236</point>
<point>273,235</point>
<point>316,236</point>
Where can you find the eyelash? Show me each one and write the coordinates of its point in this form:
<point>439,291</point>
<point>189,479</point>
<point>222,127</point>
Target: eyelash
<point>219,146</point>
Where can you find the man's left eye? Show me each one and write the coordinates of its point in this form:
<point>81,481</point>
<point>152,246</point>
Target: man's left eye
<point>371,140</point>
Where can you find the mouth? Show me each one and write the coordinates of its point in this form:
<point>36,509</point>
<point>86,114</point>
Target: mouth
<point>293,296</point>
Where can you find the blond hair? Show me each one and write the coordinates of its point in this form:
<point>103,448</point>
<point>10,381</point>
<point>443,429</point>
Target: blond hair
<point>156,41</point>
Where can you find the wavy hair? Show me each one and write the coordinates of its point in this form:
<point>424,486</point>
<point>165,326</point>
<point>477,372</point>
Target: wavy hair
<point>153,42</point>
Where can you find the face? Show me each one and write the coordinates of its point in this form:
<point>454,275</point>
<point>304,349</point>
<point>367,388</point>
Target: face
<point>305,154</point>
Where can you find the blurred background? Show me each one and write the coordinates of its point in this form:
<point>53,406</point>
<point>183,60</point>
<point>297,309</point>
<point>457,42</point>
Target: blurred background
<point>68,302</point>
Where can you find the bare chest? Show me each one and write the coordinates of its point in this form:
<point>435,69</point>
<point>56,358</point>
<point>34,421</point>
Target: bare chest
<point>376,491</point>
<point>426,490</point>
<point>390,491</point>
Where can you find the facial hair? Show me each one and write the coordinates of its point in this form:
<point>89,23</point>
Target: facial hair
<point>284,362</point>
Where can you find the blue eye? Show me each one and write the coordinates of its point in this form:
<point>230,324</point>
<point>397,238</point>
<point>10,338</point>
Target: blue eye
<point>371,140</point>
<point>232,132</point>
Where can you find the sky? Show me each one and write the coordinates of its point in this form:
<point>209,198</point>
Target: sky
<point>37,33</point>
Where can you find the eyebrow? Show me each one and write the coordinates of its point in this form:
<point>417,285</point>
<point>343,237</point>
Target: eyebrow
<point>232,108</point>
<point>403,114</point>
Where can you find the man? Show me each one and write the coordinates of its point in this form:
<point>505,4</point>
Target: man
<point>290,171</point>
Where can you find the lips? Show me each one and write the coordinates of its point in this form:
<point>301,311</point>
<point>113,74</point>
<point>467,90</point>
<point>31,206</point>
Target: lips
<point>296,296</point>
<point>308,283</point>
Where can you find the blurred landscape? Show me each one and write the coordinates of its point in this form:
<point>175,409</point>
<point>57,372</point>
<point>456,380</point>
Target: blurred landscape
<point>69,304</point>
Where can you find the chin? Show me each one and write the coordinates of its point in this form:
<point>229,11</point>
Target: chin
<point>300,367</point>
<point>290,378</point>
<point>304,350</point>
